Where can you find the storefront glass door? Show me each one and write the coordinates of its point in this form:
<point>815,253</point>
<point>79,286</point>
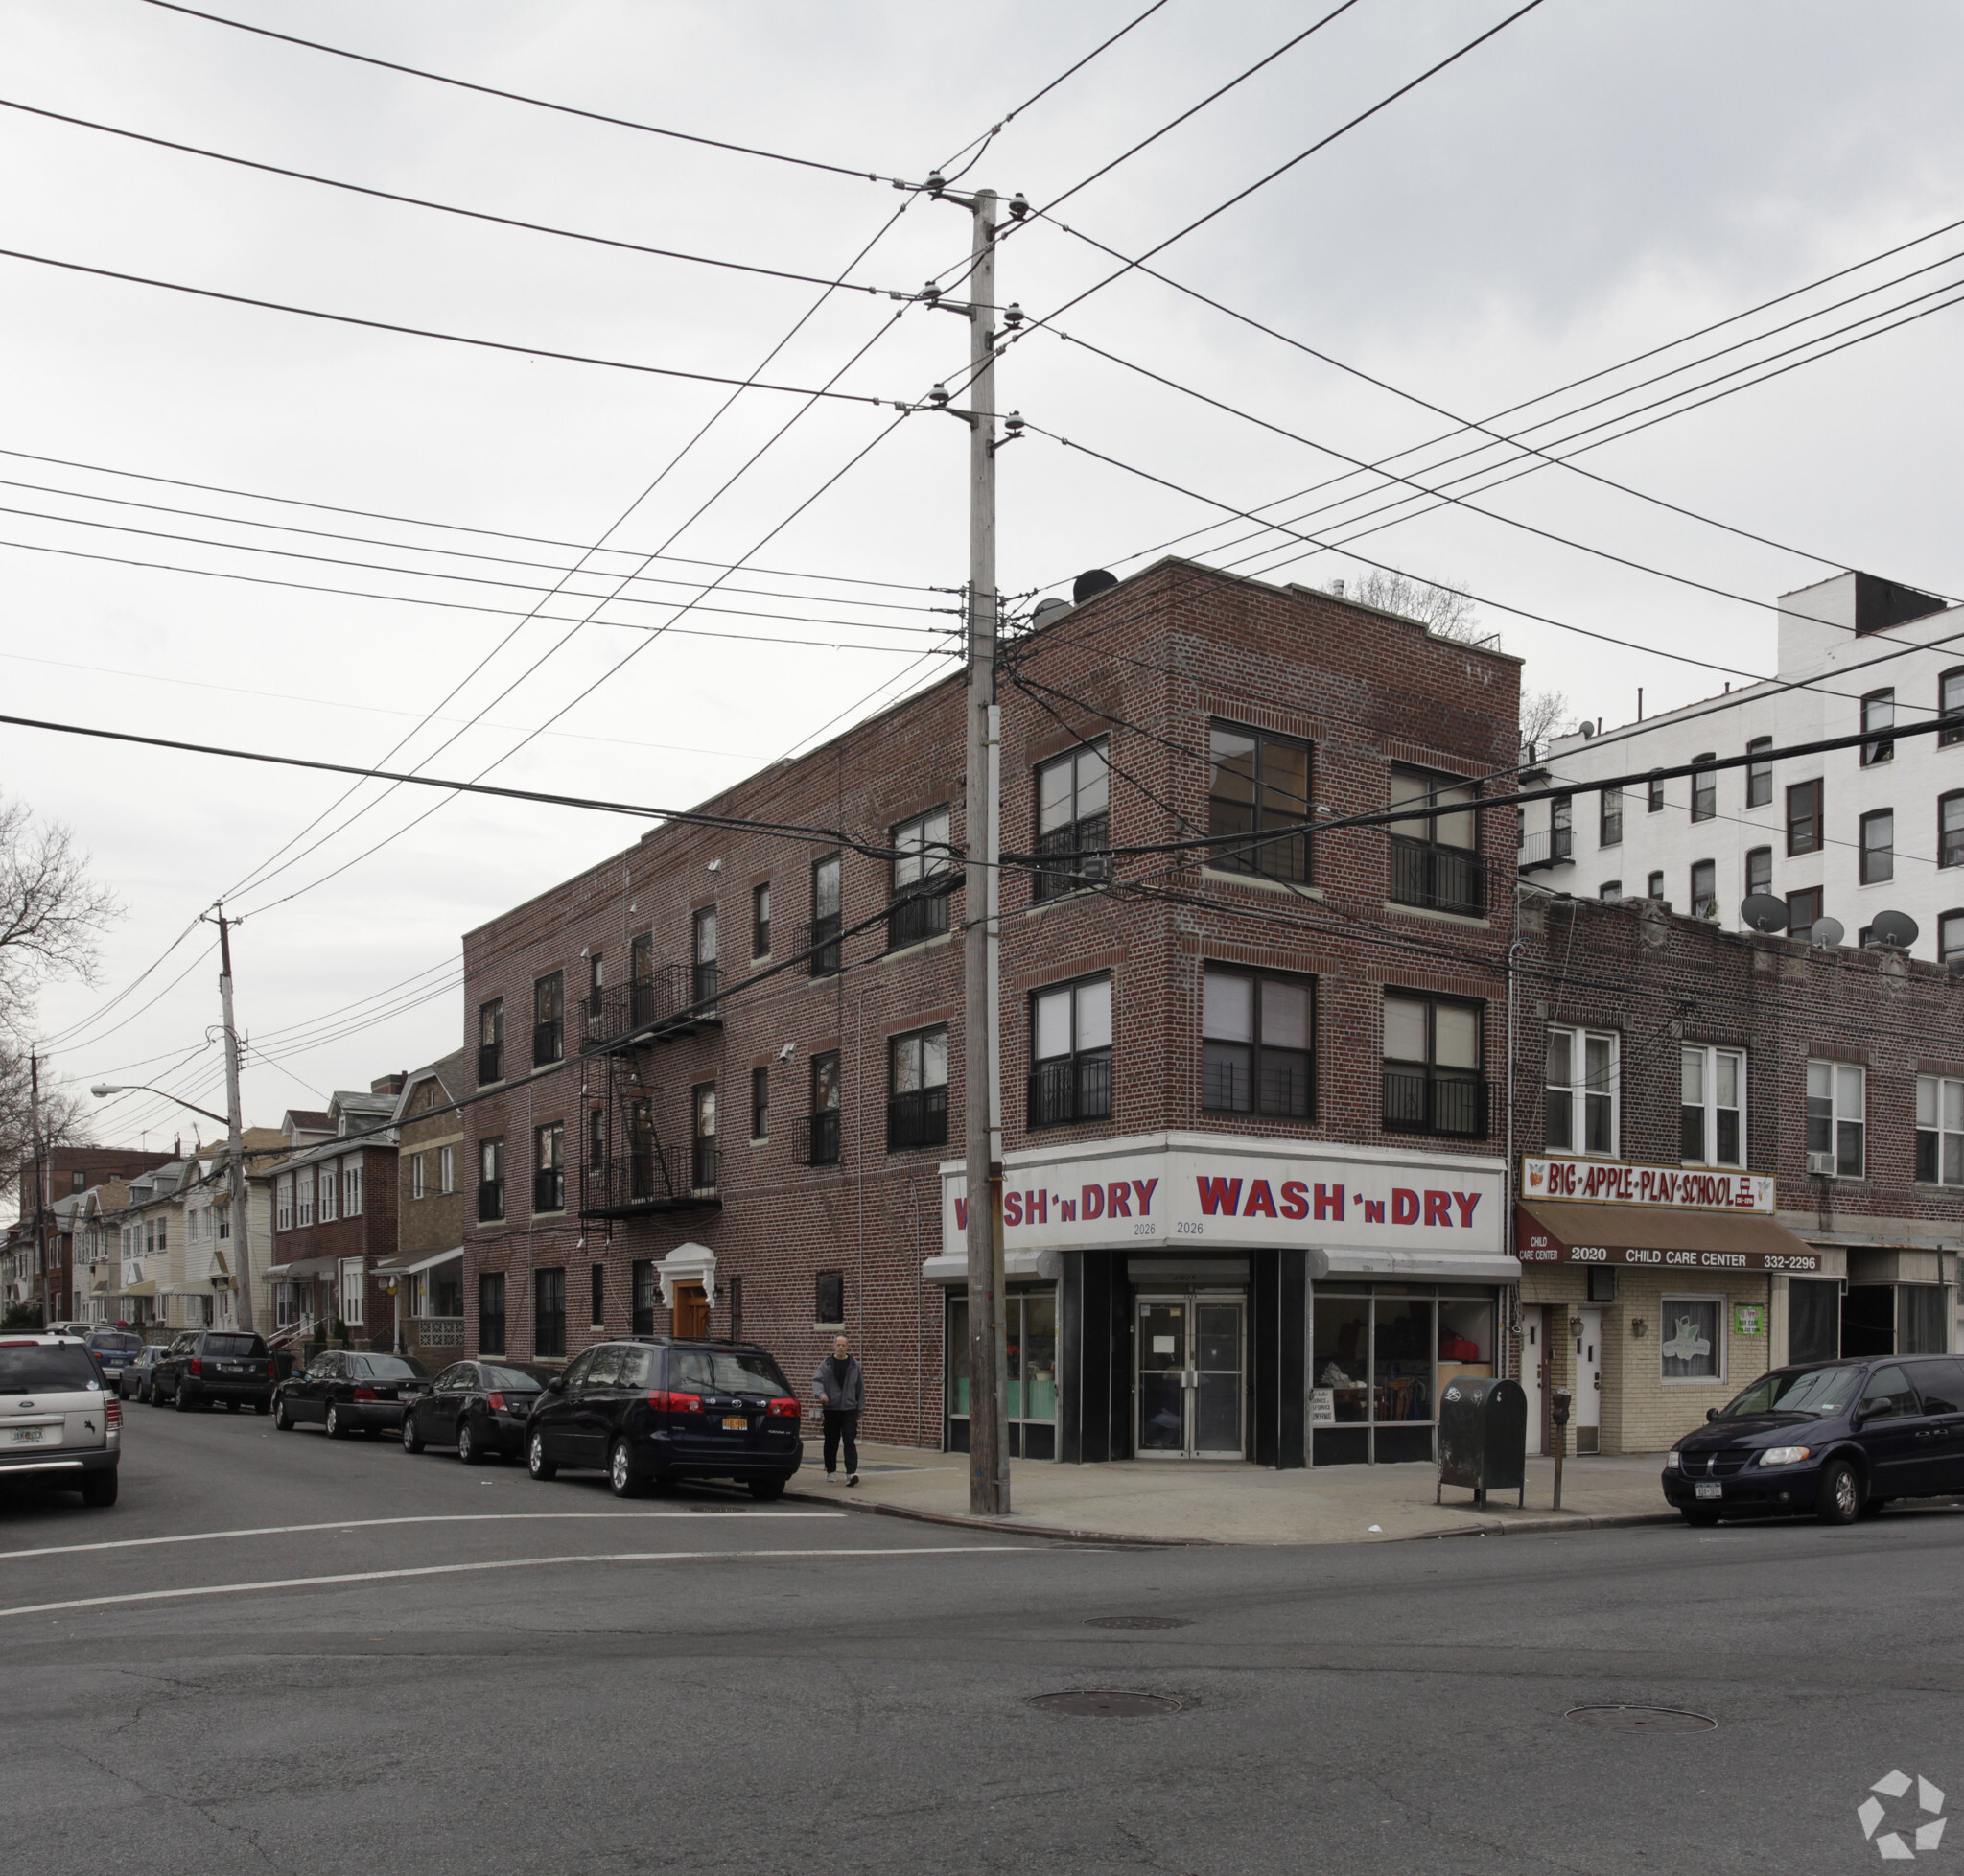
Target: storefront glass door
<point>1188,1379</point>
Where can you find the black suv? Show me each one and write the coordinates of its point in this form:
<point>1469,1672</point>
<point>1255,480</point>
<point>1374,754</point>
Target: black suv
<point>1838,1438</point>
<point>651,1410</point>
<point>206,1366</point>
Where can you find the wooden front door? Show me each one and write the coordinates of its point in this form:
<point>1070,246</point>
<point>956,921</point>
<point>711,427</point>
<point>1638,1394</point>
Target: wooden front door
<point>691,1312</point>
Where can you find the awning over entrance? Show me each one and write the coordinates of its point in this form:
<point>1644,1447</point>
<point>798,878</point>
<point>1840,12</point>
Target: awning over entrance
<point>303,1270</point>
<point>1652,1237</point>
<point>416,1266</point>
<point>952,1266</point>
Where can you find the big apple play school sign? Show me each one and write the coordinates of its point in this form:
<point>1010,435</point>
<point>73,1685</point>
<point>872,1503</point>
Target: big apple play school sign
<point>1186,1190</point>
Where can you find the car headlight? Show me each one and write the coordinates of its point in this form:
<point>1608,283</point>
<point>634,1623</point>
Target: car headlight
<point>1671,1462</point>
<point>1785,1455</point>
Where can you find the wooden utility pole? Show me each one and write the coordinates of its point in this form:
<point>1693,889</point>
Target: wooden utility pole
<point>242,1222</point>
<point>34,1114</point>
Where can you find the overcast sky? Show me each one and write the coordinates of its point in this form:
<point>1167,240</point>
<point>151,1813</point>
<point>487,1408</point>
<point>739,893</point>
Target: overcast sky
<point>1597,179</point>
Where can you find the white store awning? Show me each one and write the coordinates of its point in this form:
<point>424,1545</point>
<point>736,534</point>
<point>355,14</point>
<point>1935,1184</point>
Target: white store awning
<point>952,1266</point>
<point>402,1266</point>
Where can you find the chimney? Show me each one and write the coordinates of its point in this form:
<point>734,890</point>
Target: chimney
<point>389,1083</point>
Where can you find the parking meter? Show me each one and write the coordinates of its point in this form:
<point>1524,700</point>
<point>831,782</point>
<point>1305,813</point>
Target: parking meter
<point>1558,1400</point>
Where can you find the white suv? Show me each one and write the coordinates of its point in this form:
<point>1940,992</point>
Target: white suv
<point>58,1425</point>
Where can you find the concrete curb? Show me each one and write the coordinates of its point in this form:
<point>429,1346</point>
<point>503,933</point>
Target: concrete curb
<point>1535,1526</point>
<point>1011,1525</point>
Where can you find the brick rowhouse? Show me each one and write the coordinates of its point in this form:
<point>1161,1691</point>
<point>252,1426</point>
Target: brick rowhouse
<point>1694,1242</point>
<point>1256,1178</point>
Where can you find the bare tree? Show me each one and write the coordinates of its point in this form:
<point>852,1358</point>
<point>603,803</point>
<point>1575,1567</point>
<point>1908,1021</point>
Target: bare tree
<point>52,914</point>
<point>63,1121</point>
<point>1544,713</point>
<point>1441,609</point>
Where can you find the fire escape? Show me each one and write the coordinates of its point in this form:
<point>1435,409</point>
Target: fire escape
<point>626,1170</point>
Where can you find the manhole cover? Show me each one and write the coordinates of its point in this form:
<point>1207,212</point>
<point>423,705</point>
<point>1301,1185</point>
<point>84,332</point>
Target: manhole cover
<point>1138,1621</point>
<point>1105,1704</point>
<point>1642,1719</point>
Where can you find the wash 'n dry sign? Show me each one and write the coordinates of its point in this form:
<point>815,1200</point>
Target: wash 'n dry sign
<point>1185,1190</point>
<point>1616,1182</point>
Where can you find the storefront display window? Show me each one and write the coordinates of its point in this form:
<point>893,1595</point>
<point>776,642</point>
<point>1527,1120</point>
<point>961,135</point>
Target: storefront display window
<point>1690,1349</point>
<point>1379,1360</point>
<point>1030,1345</point>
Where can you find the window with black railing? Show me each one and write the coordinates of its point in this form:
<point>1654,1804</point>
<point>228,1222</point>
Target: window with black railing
<point>641,979</point>
<point>921,915</point>
<point>1258,783</point>
<point>1434,850</point>
<point>822,935</point>
<point>923,872</point>
<point>703,1142</point>
<point>821,1138</point>
<point>548,1020</point>
<point>702,982</point>
<point>1257,1041</point>
<point>1433,1082</point>
<point>641,1274</point>
<point>1073,821</point>
<point>917,1101</point>
<point>490,1180</point>
<point>491,1042</point>
<point>549,1171</point>
<point>1070,1053</point>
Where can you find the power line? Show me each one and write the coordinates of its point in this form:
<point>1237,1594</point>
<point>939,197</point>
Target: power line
<point>1071,71</point>
<point>521,98</point>
<point>443,208</point>
<point>449,338</point>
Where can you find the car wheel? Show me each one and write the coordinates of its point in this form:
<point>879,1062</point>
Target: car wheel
<point>180,1400</point>
<point>145,1395</point>
<point>467,1444</point>
<point>281,1418</point>
<point>1700,1517</point>
<point>99,1489</point>
<point>536,1461</point>
<point>767,1489</point>
<point>1839,1500</point>
<point>412,1441</point>
<point>623,1471</point>
<point>334,1429</point>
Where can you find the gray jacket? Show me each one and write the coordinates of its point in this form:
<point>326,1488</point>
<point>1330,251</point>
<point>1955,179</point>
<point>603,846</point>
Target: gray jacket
<point>847,1396</point>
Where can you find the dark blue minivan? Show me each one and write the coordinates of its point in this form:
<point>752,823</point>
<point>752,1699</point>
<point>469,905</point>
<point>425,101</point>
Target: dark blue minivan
<point>648,1411</point>
<point>1838,1438</point>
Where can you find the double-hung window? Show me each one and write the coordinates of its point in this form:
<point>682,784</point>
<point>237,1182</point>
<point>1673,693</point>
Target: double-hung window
<point>1712,1105</point>
<point>760,920</point>
<point>1759,870</point>
<point>1433,1082</point>
<point>549,1010</point>
<point>1562,828</point>
<point>923,874</point>
<point>1877,846</point>
<point>1070,1053</point>
<point>702,1106</point>
<point>702,985</point>
<point>1653,797</point>
<point>761,1102</point>
<point>1256,782</point>
<point>1653,887</point>
<point>822,1136</point>
<point>916,1105</point>
<point>490,1042</point>
<point>1950,937</point>
<point>1877,713</point>
<point>490,1180</point>
<point>1435,849</point>
<point>1609,818</point>
<point>1584,1090</point>
<point>283,1202</point>
<point>351,1188</point>
<point>490,1312</point>
<point>328,1177</point>
<point>1611,891</point>
<point>303,1193</point>
<point>1257,1035</point>
<point>1951,706</point>
<point>446,1169</point>
<point>416,1184</point>
<point>1074,821</point>
<point>1804,817</point>
<point>1803,911</point>
<point>548,1164</point>
<point>596,997</point>
<point>1704,889</point>
<point>1704,789</point>
<point>641,979</point>
<point>827,881</point>
<point>548,1313</point>
<point>1836,1118</point>
<point>1759,772</point>
<point>1939,1130</point>
<point>1950,829</point>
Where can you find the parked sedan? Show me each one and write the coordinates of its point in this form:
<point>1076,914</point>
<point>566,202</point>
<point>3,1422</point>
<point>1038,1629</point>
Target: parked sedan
<point>648,1411</point>
<point>203,1366</point>
<point>1838,1438</point>
<point>349,1393</point>
<point>133,1383</point>
<point>479,1407</point>
<point>114,1349</point>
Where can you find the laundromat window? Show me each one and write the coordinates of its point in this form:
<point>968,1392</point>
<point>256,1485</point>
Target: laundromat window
<point>1380,1360</point>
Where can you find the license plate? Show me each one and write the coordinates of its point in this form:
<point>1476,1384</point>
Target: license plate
<point>27,1436</point>
<point>736,1423</point>
<point>1710,1488</point>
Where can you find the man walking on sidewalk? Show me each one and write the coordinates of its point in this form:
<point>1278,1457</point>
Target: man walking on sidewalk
<point>842,1387</point>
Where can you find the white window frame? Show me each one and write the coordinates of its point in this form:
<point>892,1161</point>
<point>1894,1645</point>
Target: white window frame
<point>327,1180</point>
<point>1720,1341</point>
<point>1934,1094</point>
<point>1579,1093</point>
<point>1709,1074</point>
<point>416,1188</point>
<point>446,1169</point>
<point>351,1188</point>
<point>1826,1081</point>
<point>282,1191</point>
<point>351,1293</point>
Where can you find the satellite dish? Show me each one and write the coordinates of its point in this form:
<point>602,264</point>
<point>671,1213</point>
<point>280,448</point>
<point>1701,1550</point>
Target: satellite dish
<point>1763,911</point>
<point>1826,933</point>
<point>1096,580</point>
<point>1896,929</point>
<point>1047,610</point>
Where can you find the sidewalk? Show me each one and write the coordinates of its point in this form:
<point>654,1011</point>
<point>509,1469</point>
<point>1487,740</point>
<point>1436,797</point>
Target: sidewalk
<point>1176,1502</point>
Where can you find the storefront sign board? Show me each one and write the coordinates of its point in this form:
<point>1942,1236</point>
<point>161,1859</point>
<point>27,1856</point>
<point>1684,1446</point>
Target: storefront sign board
<point>1203,1192</point>
<point>1748,1318</point>
<point>1536,1244</point>
<point>1616,1182</point>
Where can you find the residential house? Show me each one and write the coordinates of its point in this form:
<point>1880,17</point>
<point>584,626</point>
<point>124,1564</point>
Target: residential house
<point>426,1277</point>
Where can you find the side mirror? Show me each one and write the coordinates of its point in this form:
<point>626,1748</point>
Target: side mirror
<point>555,1384</point>
<point>1711,1413</point>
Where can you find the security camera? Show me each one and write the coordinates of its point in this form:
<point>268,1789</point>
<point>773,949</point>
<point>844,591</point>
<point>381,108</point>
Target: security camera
<point>786,1053</point>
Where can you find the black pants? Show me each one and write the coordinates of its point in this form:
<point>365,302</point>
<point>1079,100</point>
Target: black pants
<point>841,1426</point>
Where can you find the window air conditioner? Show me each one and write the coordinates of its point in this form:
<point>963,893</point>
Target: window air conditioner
<point>1821,1162</point>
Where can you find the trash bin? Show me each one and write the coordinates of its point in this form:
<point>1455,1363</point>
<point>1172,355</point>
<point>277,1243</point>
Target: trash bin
<point>1483,1437</point>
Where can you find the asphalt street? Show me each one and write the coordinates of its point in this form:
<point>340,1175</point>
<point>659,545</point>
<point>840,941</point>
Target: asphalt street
<point>278,1652</point>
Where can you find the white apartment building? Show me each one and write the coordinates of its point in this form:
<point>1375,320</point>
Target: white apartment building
<point>1843,834</point>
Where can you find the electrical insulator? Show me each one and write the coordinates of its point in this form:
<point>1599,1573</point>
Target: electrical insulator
<point>1019,206</point>
<point>938,396</point>
<point>937,182</point>
<point>1012,316</point>
<point>1013,424</point>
